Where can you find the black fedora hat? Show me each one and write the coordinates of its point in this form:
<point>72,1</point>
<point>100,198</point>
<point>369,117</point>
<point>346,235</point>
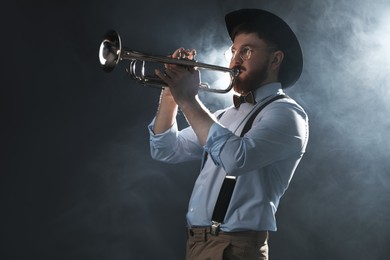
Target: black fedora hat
<point>277,31</point>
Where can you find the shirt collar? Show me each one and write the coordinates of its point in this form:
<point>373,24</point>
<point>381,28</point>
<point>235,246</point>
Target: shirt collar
<point>268,90</point>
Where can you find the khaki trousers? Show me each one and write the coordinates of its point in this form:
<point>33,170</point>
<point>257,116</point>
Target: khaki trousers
<point>246,245</point>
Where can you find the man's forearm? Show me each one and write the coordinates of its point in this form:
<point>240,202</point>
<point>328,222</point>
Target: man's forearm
<point>166,114</point>
<point>199,118</point>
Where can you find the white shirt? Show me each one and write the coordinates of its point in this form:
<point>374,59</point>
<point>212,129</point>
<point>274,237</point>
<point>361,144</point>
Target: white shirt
<point>264,160</point>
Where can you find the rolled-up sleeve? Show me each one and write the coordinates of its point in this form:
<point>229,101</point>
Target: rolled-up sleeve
<point>216,139</point>
<point>280,132</point>
<point>163,140</point>
<point>173,146</point>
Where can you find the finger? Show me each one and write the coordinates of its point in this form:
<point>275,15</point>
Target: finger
<point>184,54</point>
<point>191,54</point>
<point>163,76</point>
<point>172,72</point>
<point>177,53</point>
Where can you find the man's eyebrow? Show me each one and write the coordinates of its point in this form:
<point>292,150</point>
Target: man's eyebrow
<point>243,46</point>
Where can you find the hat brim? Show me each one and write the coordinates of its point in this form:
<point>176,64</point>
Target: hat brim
<point>279,32</point>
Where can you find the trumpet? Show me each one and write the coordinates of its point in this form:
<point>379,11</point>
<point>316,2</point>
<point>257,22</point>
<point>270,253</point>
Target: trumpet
<point>111,52</point>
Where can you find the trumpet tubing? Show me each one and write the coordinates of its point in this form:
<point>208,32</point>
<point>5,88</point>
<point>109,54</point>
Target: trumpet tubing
<point>111,52</point>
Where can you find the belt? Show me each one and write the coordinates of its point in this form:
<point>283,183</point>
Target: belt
<point>203,233</point>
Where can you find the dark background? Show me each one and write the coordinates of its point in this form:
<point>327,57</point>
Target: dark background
<point>77,181</point>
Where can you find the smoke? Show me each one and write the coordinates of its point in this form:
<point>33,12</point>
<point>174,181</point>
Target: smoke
<point>345,88</point>
<point>340,185</point>
<point>92,190</point>
<point>350,60</point>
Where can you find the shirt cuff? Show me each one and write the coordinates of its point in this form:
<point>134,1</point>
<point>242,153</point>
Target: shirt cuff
<point>216,139</point>
<point>164,139</point>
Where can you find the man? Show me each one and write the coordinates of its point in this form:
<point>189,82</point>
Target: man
<point>268,56</point>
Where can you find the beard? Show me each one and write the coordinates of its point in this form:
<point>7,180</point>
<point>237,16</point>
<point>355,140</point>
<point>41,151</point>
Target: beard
<point>251,81</point>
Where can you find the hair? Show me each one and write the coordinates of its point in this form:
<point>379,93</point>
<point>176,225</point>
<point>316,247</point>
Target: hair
<point>253,28</point>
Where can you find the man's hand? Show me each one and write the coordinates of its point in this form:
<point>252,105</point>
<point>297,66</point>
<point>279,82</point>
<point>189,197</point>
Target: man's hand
<point>183,82</point>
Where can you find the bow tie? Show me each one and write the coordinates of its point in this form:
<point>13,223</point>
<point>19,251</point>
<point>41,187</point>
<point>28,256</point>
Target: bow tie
<point>238,100</point>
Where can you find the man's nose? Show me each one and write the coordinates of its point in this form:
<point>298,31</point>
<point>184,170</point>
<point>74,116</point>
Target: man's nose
<point>236,60</point>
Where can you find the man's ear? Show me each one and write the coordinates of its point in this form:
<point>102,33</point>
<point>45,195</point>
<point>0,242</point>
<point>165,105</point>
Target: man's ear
<point>277,59</point>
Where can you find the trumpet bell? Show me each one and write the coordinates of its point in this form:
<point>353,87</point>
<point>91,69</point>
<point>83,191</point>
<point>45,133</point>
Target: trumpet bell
<point>110,51</point>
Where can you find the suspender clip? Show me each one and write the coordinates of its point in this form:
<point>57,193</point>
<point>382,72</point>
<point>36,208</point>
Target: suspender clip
<point>215,227</point>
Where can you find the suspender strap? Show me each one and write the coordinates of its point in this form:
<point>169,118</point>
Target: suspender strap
<point>225,194</point>
<point>249,123</point>
<point>222,204</point>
